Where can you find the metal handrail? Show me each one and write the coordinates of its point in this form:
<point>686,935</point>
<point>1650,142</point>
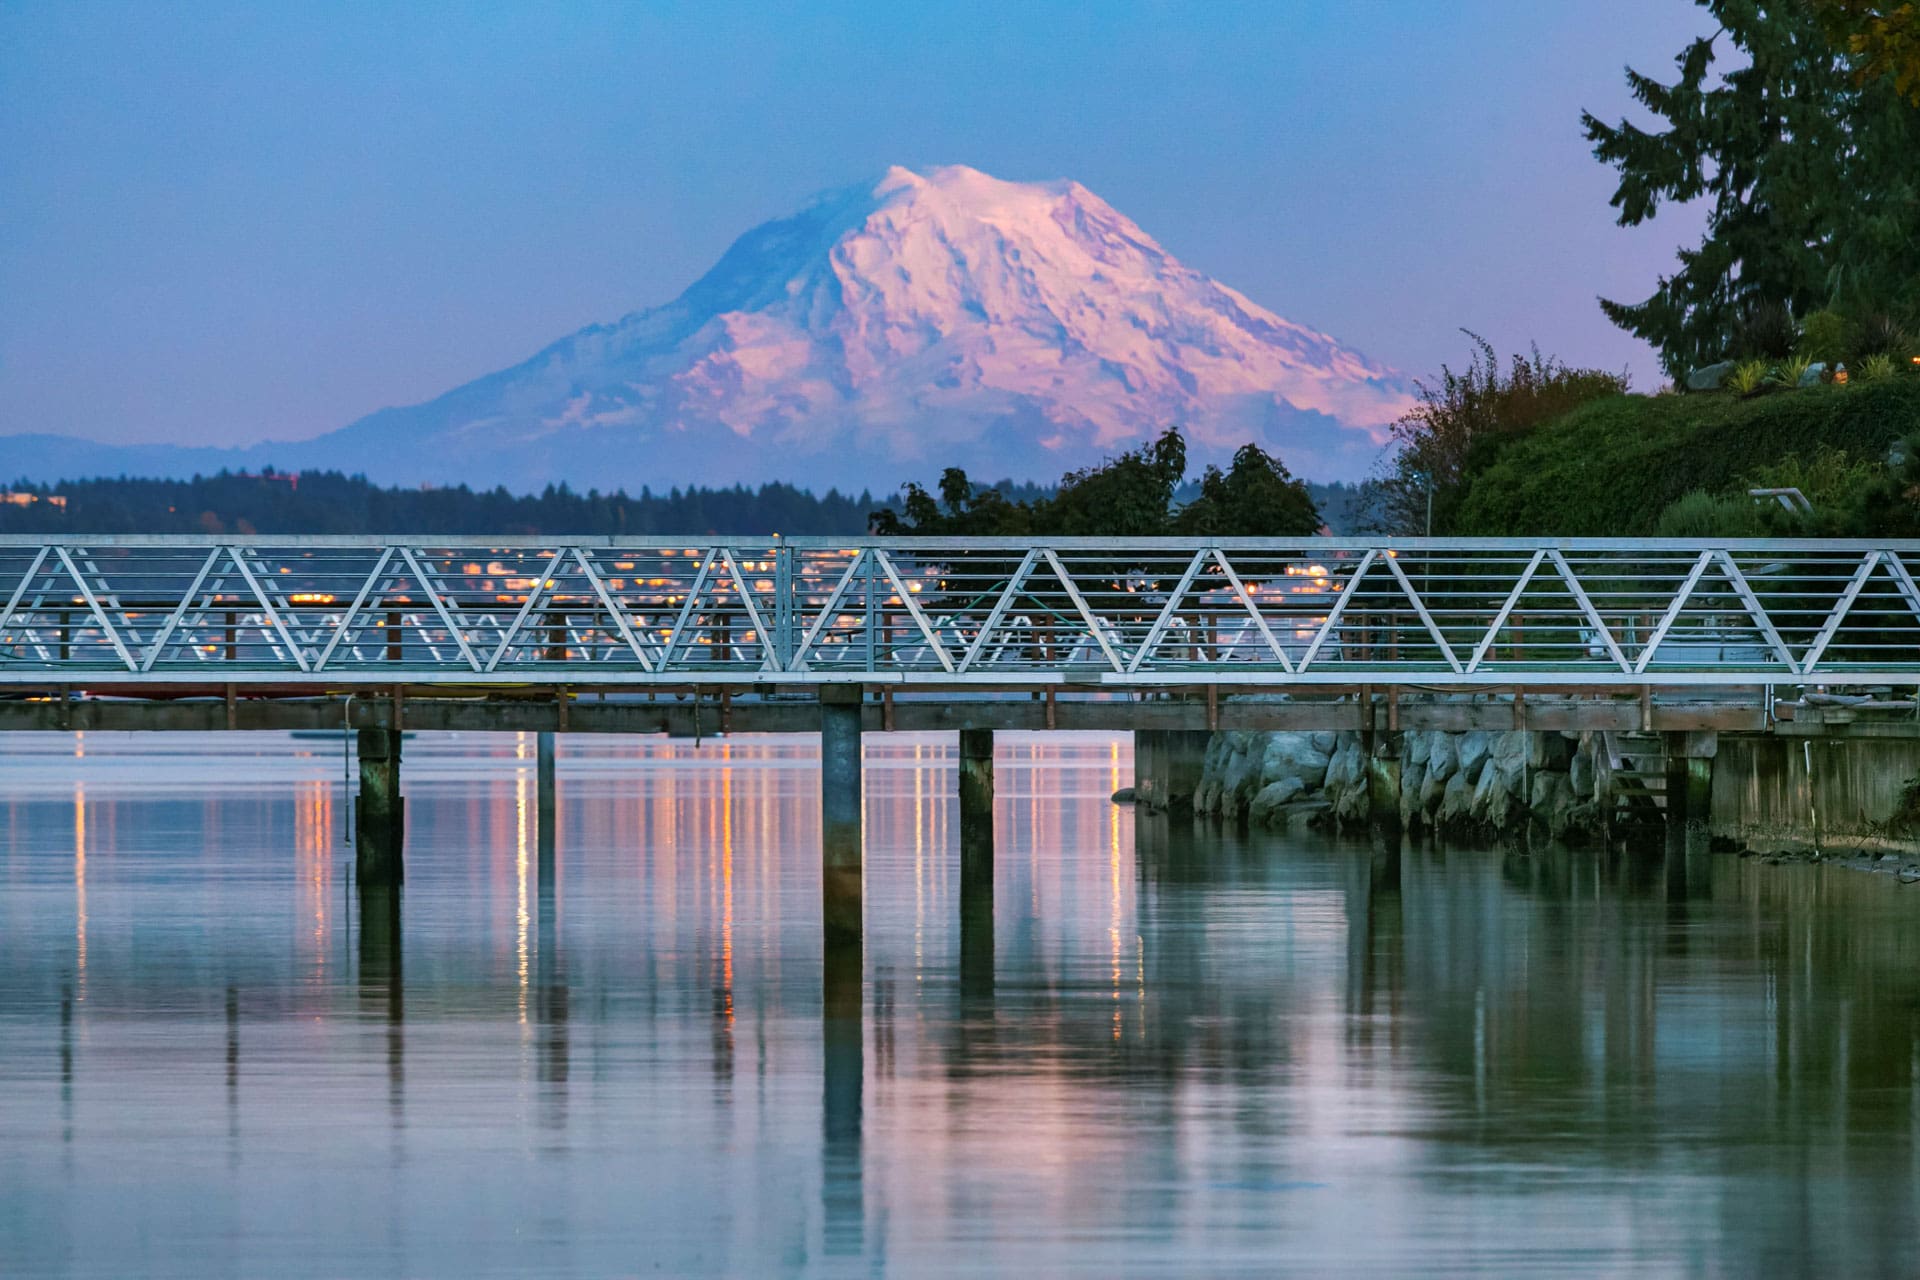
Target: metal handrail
<point>190,610</point>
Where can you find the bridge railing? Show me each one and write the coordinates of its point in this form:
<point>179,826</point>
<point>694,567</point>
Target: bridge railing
<point>340,611</point>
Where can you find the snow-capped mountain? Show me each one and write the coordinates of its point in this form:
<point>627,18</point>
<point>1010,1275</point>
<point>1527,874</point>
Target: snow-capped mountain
<point>886,331</point>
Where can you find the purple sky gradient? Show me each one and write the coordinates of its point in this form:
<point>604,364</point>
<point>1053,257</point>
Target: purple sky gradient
<point>224,224</point>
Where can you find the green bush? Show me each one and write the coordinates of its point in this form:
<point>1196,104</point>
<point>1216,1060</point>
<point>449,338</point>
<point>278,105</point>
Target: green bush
<point>1700,514</point>
<point>1825,336</point>
<point>1464,414</point>
<point>1875,367</point>
<point>1885,505</point>
<point>1610,468</point>
<point>1826,476</point>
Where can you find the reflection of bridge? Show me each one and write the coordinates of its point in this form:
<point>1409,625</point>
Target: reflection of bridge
<point>841,636</point>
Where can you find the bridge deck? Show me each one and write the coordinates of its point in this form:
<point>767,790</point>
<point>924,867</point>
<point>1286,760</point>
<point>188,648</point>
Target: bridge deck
<point>706,713</point>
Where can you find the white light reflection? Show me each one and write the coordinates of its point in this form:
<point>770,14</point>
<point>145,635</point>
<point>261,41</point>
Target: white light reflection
<point>80,890</point>
<point>521,821</point>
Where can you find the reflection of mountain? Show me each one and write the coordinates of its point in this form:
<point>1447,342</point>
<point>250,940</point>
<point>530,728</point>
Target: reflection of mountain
<point>884,331</point>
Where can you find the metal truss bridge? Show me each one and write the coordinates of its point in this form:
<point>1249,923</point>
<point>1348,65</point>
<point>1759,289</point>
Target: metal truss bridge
<point>163,616</point>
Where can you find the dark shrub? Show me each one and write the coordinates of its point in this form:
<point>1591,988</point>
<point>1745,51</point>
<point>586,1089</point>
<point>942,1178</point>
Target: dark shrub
<point>1880,334</point>
<point>1766,332</point>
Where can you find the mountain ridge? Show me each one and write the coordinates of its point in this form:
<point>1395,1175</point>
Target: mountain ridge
<point>880,333</point>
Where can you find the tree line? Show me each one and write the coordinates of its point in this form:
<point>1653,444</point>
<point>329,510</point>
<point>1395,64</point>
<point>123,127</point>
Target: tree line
<point>328,502</point>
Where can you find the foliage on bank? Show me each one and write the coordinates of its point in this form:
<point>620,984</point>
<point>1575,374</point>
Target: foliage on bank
<point>1614,466</point>
<point>1463,416</point>
<point>1137,494</point>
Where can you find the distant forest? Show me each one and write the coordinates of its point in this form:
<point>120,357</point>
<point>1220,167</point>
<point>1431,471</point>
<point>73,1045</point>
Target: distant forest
<point>329,502</point>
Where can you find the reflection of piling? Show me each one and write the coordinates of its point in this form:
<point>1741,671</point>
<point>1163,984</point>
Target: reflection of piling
<point>66,1063</point>
<point>380,972</point>
<point>976,861</point>
<point>544,785</point>
<point>842,1194</point>
<point>380,945</point>
<point>1383,864</point>
<point>1375,930</point>
<point>380,813</point>
<point>840,836</point>
<point>550,1003</point>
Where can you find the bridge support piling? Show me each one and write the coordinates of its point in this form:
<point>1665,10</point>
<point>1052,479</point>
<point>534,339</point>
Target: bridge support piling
<point>976,802</point>
<point>1167,765</point>
<point>1383,779</point>
<point>543,773</point>
<point>380,813</point>
<point>1689,789</point>
<point>976,860</point>
<point>840,834</point>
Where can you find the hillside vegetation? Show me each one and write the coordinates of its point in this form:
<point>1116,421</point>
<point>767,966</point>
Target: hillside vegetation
<point>1611,467</point>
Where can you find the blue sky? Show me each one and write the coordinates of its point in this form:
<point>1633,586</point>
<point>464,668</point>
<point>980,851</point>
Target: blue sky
<point>221,224</point>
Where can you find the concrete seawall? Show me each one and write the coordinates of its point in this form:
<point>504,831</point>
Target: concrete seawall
<point>1786,794</point>
<point>1771,794</point>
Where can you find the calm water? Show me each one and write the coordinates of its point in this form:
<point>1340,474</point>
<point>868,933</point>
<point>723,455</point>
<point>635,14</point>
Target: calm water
<point>1195,1053</point>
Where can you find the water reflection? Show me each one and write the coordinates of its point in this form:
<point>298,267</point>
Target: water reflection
<point>382,982</point>
<point>612,1043</point>
<point>842,1098</point>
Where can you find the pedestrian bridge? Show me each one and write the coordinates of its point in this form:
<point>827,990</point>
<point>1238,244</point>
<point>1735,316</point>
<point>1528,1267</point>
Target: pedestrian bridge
<point>843,636</point>
<point>168,615</point>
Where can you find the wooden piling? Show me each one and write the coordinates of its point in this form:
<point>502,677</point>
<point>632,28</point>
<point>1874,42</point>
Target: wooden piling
<point>840,832</point>
<point>381,812</point>
<point>976,860</point>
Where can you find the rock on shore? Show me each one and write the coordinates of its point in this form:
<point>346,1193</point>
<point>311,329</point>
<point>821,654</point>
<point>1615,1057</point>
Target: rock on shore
<point>1468,785</point>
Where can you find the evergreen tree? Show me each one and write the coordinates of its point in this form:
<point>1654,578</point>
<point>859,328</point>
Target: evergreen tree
<point>1808,169</point>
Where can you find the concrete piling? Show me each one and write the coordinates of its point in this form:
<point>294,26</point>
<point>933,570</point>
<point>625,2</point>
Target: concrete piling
<point>1689,787</point>
<point>380,814</point>
<point>544,786</point>
<point>1166,767</point>
<point>1383,751</point>
<point>840,833</point>
<point>976,802</point>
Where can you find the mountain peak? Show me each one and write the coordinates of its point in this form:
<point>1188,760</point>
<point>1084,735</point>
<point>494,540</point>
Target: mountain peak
<point>931,318</point>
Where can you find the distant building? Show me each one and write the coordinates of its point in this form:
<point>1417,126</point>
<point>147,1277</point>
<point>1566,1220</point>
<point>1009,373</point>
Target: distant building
<point>28,499</point>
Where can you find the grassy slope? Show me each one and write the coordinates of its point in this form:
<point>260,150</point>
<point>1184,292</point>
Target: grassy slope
<point>1608,468</point>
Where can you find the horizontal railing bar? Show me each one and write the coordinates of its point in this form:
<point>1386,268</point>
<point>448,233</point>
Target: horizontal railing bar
<point>818,542</point>
<point>1089,675</point>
